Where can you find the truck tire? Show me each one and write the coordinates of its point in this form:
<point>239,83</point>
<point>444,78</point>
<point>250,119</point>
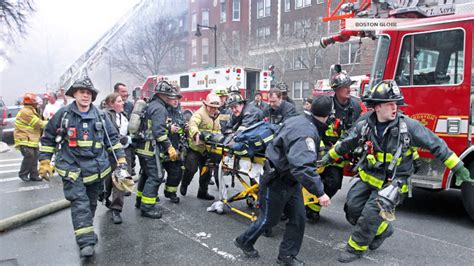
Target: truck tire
<point>467,192</point>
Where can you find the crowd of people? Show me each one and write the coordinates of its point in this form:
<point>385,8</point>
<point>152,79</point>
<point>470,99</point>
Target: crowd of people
<point>90,149</point>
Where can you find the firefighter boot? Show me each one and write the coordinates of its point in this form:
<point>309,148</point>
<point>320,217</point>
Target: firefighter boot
<point>172,196</point>
<point>153,214</point>
<point>204,195</point>
<point>378,240</point>
<point>250,252</point>
<point>115,217</point>
<point>138,202</point>
<point>87,251</point>
<point>289,260</point>
<point>349,256</point>
<point>312,215</point>
<point>183,190</point>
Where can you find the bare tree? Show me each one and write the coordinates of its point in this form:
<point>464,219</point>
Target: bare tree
<point>142,51</point>
<point>13,17</point>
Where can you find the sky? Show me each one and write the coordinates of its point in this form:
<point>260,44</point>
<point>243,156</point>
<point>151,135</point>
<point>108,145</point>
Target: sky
<point>59,32</point>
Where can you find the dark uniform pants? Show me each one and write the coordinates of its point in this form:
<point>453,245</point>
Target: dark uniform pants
<point>149,182</point>
<point>276,198</point>
<point>29,165</point>
<point>332,180</point>
<point>175,174</point>
<point>195,160</point>
<point>117,196</point>
<point>83,198</point>
<point>362,211</point>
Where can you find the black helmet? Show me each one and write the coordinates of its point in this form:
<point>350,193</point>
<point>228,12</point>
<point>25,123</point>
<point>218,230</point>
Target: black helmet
<point>175,93</point>
<point>82,83</point>
<point>385,91</point>
<point>321,106</point>
<point>163,87</point>
<point>340,80</point>
<point>283,87</point>
<point>234,99</point>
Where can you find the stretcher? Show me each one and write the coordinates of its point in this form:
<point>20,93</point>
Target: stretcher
<point>247,171</point>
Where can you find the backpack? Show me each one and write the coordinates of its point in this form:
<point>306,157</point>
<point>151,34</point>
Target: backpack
<point>254,139</point>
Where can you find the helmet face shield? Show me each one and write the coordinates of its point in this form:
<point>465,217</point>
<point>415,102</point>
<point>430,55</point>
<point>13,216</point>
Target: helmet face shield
<point>385,91</point>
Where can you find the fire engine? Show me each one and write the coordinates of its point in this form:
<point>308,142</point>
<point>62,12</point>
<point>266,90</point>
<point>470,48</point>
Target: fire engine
<point>196,85</point>
<point>431,60</point>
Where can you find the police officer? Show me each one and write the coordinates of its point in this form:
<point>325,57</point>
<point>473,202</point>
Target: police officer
<point>291,158</point>
<point>279,110</point>
<point>177,136</point>
<point>346,110</point>
<point>243,115</point>
<point>284,88</point>
<point>152,148</point>
<point>80,135</point>
<point>387,137</point>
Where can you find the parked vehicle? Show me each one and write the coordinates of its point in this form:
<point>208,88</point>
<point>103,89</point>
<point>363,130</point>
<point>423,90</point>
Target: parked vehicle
<point>8,123</point>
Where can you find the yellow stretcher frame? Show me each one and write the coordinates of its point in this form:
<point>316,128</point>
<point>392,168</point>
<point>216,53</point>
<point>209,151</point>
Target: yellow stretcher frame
<point>250,191</point>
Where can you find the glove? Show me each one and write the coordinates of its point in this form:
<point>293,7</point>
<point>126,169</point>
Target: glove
<point>172,153</point>
<point>463,175</point>
<point>45,169</point>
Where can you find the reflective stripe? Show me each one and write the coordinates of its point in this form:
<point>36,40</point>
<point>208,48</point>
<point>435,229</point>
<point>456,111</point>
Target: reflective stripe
<point>20,124</point>
<point>72,175</point>
<point>452,161</point>
<point>333,153</point>
<point>26,143</point>
<point>403,189</point>
<point>33,121</point>
<point>314,207</point>
<point>84,230</point>
<point>117,146</point>
<point>47,149</point>
<point>144,152</point>
<point>372,180</point>
<point>388,157</point>
<point>139,194</point>
<point>382,227</point>
<point>330,131</point>
<point>88,179</point>
<point>148,200</point>
<point>162,138</point>
<point>356,246</point>
<point>241,152</point>
<point>171,189</point>
<point>88,143</point>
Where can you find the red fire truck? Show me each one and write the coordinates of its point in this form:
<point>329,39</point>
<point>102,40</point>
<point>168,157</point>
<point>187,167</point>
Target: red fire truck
<point>196,85</point>
<point>431,60</point>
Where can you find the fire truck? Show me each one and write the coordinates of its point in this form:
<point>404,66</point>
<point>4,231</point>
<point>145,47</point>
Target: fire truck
<point>196,85</point>
<point>431,60</point>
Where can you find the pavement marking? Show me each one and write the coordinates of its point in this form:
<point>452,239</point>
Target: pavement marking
<point>8,165</point>
<point>11,160</point>
<point>8,179</point>
<point>436,239</point>
<point>22,189</point>
<point>9,171</point>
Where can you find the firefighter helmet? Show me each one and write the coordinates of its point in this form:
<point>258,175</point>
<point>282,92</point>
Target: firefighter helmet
<point>235,99</point>
<point>283,87</point>
<point>212,100</point>
<point>340,80</point>
<point>385,91</point>
<point>174,94</point>
<point>30,98</point>
<point>82,83</point>
<point>221,91</point>
<point>163,87</point>
<point>233,89</point>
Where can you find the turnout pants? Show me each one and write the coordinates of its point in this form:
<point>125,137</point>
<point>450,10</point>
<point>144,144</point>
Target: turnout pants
<point>29,164</point>
<point>276,198</point>
<point>83,198</point>
<point>363,212</point>
<point>175,174</point>
<point>149,182</point>
<point>195,160</point>
<point>332,180</point>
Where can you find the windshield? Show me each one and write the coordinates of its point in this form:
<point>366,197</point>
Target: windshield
<point>380,60</point>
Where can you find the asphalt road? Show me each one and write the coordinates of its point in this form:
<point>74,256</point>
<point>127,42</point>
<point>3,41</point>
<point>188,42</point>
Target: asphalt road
<point>431,228</point>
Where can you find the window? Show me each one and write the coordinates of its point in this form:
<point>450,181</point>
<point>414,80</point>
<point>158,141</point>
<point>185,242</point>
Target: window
<point>348,53</point>
<point>205,18</point>
<point>223,11</point>
<point>184,81</point>
<point>236,10</point>
<point>193,52</point>
<point>297,89</point>
<point>263,8</point>
<point>380,60</point>
<point>424,60</point>
<point>286,29</point>
<point>205,50</point>
<point>300,60</point>
<point>263,34</point>
<point>287,5</point>
<point>193,21</point>
<point>302,3</point>
<point>306,92</point>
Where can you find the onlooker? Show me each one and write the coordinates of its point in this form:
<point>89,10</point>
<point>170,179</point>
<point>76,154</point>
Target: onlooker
<point>307,105</point>
<point>121,89</point>
<point>259,103</point>
<point>52,106</point>
<point>27,133</point>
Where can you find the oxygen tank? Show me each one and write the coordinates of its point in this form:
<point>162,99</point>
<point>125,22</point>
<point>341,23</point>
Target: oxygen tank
<point>136,117</point>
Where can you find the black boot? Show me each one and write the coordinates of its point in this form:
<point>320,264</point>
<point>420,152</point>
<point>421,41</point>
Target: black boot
<point>250,252</point>
<point>138,202</point>
<point>116,218</point>
<point>204,195</point>
<point>183,189</point>
<point>347,256</point>
<point>313,216</point>
<point>154,214</point>
<point>172,196</point>
<point>378,240</point>
<point>87,251</point>
<point>289,260</point>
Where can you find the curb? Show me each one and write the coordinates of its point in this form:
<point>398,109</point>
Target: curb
<point>19,219</point>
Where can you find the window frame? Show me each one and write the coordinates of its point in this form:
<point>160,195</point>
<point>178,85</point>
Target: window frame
<point>208,18</point>
<point>300,89</point>
<point>222,11</point>
<point>234,10</point>
<point>194,52</point>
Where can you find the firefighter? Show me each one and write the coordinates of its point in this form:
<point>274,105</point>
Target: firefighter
<point>291,162</point>
<point>259,103</point>
<point>243,115</point>
<point>224,110</point>
<point>284,88</point>
<point>152,148</point>
<point>206,119</point>
<point>387,137</point>
<point>27,133</point>
<point>346,110</point>
<point>279,110</point>
<point>80,134</point>
<point>177,136</point>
